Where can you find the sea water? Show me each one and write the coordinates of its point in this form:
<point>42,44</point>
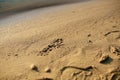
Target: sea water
<point>8,5</point>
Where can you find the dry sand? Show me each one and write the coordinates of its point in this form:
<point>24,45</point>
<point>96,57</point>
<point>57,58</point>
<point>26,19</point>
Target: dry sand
<point>79,41</point>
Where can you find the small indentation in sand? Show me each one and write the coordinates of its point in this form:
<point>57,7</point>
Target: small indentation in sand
<point>57,43</point>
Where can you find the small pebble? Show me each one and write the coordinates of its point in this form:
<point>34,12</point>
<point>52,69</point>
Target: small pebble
<point>103,58</point>
<point>33,67</point>
<point>44,79</point>
<point>112,49</point>
<point>115,50</point>
<point>48,70</point>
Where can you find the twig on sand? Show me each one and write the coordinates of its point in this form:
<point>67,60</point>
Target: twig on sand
<point>111,32</point>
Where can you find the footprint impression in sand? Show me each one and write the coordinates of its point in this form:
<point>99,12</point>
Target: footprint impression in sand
<point>57,43</point>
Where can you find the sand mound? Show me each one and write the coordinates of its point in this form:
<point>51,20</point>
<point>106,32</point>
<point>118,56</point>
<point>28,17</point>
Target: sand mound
<point>79,41</point>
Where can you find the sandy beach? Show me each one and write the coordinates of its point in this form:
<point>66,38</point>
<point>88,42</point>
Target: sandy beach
<point>79,41</point>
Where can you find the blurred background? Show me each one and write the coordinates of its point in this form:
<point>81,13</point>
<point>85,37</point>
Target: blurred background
<point>17,5</point>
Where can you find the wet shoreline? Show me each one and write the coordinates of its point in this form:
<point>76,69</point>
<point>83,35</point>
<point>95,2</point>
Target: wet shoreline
<point>13,9</point>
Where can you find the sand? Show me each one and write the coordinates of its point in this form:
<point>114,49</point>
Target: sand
<point>79,41</point>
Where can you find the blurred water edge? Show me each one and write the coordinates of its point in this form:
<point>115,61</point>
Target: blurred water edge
<point>9,5</point>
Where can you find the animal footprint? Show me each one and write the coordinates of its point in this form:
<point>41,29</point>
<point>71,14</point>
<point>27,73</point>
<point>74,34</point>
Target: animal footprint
<point>57,43</point>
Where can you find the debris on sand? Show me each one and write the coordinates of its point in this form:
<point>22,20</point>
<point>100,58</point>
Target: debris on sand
<point>104,58</point>
<point>47,70</point>
<point>115,50</point>
<point>108,33</point>
<point>34,67</point>
<point>44,79</point>
<point>55,44</point>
